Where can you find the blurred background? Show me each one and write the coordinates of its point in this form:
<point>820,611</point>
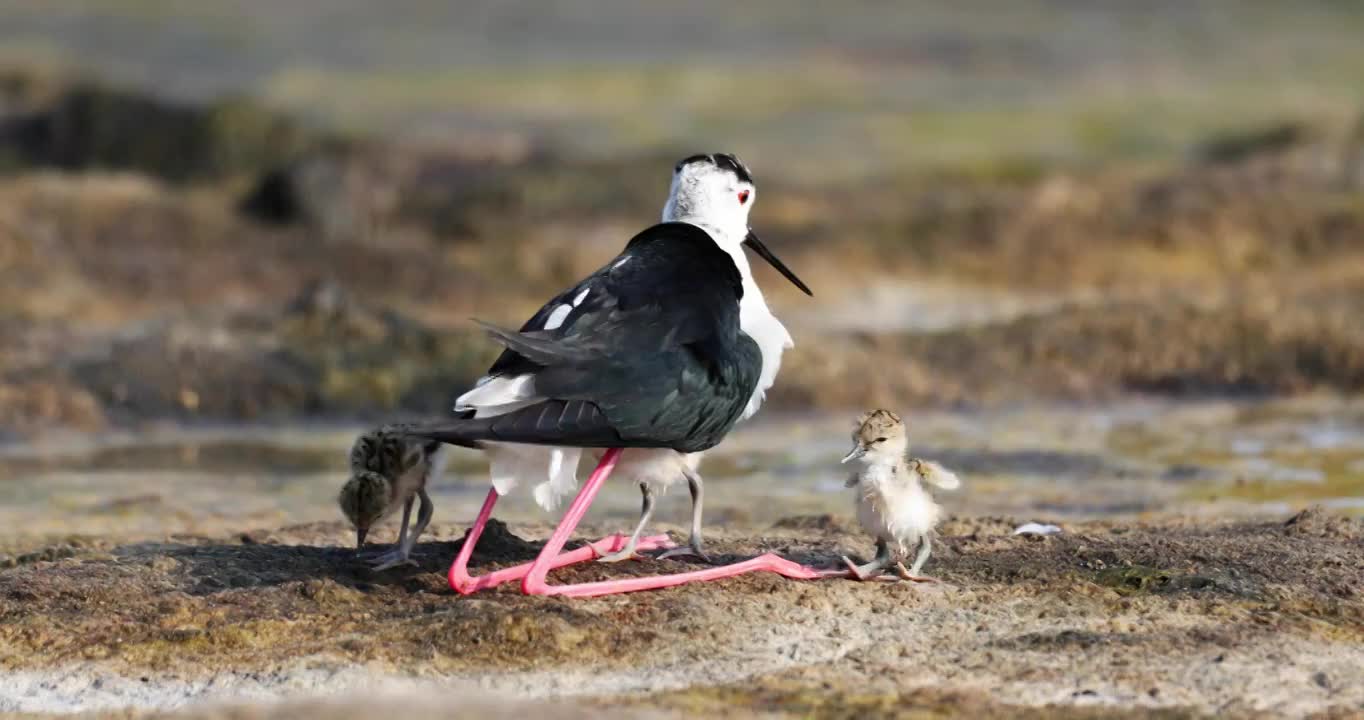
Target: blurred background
<point>1109,253</point>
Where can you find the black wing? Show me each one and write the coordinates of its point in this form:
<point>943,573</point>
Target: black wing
<point>650,356</point>
<point>654,269</point>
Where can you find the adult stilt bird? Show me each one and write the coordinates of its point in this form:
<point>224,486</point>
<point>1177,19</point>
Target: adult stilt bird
<point>645,363</point>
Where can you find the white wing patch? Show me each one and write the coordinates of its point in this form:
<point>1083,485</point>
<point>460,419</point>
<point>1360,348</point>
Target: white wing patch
<point>560,314</point>
<point>492,396</point>
<point>558,317</point>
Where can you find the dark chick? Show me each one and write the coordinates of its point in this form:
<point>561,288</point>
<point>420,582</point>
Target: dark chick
<point>390,470</point>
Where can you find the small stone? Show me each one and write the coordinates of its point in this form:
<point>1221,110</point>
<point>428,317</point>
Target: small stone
<point>814,601</point>
<point>189,399</point>
<point>165,564</point>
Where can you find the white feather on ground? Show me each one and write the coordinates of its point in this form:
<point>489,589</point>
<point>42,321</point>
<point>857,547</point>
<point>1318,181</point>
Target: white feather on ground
<point>1033,528</point>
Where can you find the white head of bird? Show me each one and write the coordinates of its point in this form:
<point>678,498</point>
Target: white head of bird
<point>879,439</point>
<point>716,193</point>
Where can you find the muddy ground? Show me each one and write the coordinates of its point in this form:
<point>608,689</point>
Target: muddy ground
<point>1165,618</point>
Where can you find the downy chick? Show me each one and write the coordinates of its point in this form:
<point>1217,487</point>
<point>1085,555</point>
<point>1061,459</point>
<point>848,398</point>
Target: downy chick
<point>892,504</point>
<point>390,470</point>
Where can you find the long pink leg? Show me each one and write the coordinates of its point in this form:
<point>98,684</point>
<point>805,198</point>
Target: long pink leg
<point>534,582</point>
<point>464,583</point>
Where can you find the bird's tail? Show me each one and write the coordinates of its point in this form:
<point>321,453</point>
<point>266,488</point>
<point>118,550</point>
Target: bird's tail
<point>537,346</point>
<point>465,432</point>
<point>935,474</point>
<point>572,423</point>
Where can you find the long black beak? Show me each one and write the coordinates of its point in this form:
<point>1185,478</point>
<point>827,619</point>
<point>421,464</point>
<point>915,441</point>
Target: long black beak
<point>360,534</point>
<point>757,246</point>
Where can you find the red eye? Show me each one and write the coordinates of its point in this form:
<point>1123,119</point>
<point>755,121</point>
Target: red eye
<point>743,196</point>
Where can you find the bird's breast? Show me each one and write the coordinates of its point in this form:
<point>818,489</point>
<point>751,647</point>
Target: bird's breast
<point>893,509</point>
<point>758,322</point>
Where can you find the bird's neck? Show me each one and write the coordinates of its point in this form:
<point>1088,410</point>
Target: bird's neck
<point>755,318</point>
<point>730,237</point>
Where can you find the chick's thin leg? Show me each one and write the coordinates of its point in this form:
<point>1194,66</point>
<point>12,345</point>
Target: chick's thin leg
<point>645,512</point>
<point>925,548</point>
<point>693,549</point>
<point>876,567</point>
<point>423,517</point>
<point>403,554</point>
<point>398,555</point>
<point>402,534</point>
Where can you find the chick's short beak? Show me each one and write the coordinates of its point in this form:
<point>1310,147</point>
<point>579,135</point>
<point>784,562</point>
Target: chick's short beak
<point>854,454</point>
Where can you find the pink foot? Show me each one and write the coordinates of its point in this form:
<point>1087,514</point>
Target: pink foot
<point>904,574</point>
<point>468,584</point>
<point>767,562</point>
<point>854,573</point>
<point>464,583</point>
<point>535,580</point>
<point>616,543</point>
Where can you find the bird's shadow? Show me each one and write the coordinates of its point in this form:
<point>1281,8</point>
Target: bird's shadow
<point>208,568</point>
<point>216,567</point>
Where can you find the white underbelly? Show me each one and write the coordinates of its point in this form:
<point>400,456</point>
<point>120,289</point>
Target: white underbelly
<point>898,514</point>
<point>660,467</point>
<point>758,322</point>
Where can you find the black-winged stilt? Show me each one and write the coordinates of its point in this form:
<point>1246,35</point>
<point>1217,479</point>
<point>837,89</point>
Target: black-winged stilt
<point>648,361</point>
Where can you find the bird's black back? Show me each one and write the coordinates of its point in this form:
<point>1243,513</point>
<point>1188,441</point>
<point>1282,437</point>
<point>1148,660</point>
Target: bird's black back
<point>674,264</point>
<point>651,356</point>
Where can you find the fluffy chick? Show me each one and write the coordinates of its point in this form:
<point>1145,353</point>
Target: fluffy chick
<point>390,470</point>
<point>892,504</point>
